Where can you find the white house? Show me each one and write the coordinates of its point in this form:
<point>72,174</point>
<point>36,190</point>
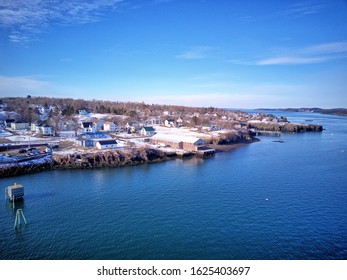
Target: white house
<point>179,122</point>
<point>147,131</point>
<point>36,124</point>
<point>169,122</point>
<point>19,125</point>
<point>132,126</point>
<point>106,144</point>
<point>88,127</point>
<point>46,130</point>
<point>109,126</point>
<point>42,128</point>
<point>152,121</point>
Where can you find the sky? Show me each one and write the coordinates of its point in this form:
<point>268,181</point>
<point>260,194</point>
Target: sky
<point>219,53</point>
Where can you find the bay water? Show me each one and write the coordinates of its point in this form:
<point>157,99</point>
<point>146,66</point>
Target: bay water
<point>265,200</point>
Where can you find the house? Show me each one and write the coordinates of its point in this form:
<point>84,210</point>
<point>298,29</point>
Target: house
<point>19,125</point>
<point>46,130</point>
<point>8,122</point>
<point>132,127</point>
<point>42,128</point>
<point>106,144</point>
<point>85,142</point>
<point>152,121</point>
<point>83,112</point>
<point>109,126</point>
<point>169,122</point>
<point>147,131</point>
<point>43,111</point>
<point>88,127</point>
<point>99,125</point>
<point>36,124</point>
<point>179,122</point>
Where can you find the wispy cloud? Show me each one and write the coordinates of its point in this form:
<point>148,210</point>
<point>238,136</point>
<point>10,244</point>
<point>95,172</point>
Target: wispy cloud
<point>293,11</point>
<point>21,84</point>
<point>27,18</point>
<point>197,52</point>
<point>288,60</point>
<point>313,54</point>
<point>303,8</point>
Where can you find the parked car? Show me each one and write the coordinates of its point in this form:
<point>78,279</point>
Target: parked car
<point>22,150</point>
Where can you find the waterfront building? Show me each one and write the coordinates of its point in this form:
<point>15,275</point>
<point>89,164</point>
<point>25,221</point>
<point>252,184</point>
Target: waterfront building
<point>186,143</point>
<point>85,142</point>
<point>106,144</point>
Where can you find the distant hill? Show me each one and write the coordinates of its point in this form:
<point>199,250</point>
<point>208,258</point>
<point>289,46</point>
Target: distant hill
<point>334,111</point>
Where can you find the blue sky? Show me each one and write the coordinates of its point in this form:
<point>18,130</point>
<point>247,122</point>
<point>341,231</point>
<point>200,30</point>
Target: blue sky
<point>221,53</point>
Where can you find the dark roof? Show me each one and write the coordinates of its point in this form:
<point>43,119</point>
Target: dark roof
<point>149,128</point>
<point>87,124</point>
<point>107,142</point>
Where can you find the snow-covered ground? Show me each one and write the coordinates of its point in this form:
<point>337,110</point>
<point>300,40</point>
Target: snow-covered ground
<point>4,133</point>
<point>25,138</point>
<point>185,132</point>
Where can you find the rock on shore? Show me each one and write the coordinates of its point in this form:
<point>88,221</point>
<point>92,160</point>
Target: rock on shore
<point>110,158</point>
<point>26,167</point>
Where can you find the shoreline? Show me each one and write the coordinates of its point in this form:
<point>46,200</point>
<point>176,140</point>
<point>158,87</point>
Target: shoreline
<point>103,159</point>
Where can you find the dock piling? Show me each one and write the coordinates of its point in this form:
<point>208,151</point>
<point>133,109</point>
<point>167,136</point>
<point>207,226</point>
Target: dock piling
<point>17,220</point>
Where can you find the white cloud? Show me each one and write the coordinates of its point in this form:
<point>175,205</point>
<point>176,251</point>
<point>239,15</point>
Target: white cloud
<point>303,8</point>
<point>308,55</point>
<point>198,52</point>
<point>328,48</point>
<point>25,18</point>
<point>21,85</point>
<point>291,60</point>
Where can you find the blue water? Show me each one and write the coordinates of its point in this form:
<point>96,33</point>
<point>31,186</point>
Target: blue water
<point>265,200</point>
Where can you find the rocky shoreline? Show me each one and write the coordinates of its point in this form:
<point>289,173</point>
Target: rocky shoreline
<point>102,159</point>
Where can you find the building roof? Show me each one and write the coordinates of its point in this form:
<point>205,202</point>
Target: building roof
<point>107,142</point>
<point>87,124</point>
<point>176,138</point>
<point>148,128</point>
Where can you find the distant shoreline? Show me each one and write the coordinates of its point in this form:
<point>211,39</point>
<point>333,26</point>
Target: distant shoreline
<point>335,111</point>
